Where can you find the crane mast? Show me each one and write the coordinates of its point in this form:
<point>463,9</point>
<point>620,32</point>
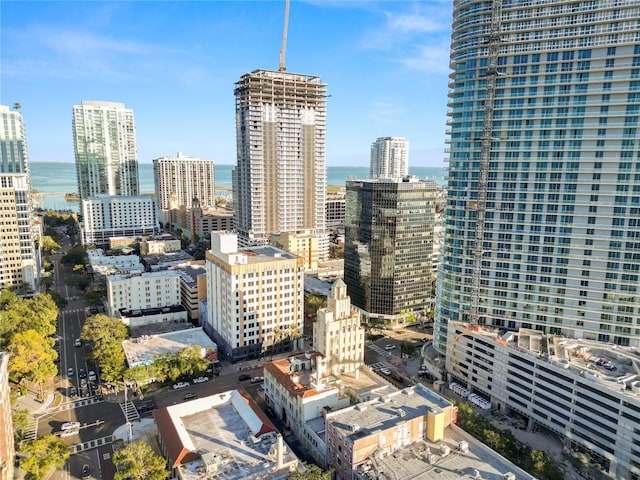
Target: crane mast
<point>486,140</point>
<point>283,51</point>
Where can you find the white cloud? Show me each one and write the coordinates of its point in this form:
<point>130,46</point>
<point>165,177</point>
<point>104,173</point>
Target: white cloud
<point>428,58</point>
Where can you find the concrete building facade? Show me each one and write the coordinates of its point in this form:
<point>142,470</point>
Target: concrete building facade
<point>106,155</point>
<point>106,216</point>
<point>181,179</point>
<point>255,298</point>
<point>303,244</point>
<point>279,181</point>
<point>193,287</point>
<point>337,333</point>
<point>19,257</point>
<point>389,158</point>
<point>147,290</point>
<point>583,390</point>
<point>388,246</point>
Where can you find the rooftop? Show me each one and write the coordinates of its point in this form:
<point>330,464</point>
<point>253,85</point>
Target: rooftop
<point>189,273</point>
<point>458,456</point>
<point>224,436</point>
<point>266,252</point>
<point>142,350</point>
<point>300,383</point>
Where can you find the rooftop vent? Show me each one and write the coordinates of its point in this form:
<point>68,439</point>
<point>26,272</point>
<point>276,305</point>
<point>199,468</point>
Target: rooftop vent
<point>401,412</point>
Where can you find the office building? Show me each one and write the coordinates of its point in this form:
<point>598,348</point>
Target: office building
<point>279,181</point>
<point>335,206</point>
<point>19,257</point>
<point>7,450</point>
<point>107,216</point>
<point>104,141</point>
<point>337,333</point>
<point>141,291</point>
<point>388,246</point>
<point>583,390</point>
<point>542,224</point>
<point>255,298</point>
<point>389,158</point>
<point>181,179</point>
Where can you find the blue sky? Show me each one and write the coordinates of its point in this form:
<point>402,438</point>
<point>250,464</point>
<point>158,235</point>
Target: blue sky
<point>175,64</point>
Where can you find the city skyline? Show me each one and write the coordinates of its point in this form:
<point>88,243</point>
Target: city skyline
<point>385,63</point>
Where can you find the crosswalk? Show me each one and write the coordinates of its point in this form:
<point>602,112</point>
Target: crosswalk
<point>78,403</point>
<point>74,310</point>
<point>377,349</point>
<point>31,431</point>
<point>130,411</point>
<point>98,442</point>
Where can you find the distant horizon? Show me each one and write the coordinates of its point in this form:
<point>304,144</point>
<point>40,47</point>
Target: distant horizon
<point>233,164</point>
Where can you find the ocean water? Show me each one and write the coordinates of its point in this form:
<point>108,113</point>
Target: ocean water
<point>60,178</point>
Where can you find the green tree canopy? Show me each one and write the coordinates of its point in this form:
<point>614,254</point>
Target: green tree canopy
<point>310,472</point>
<point>18,315</point>
<point>49,244</point>
<point>31,357</point>
<point>137,461</point>
<point>43,453</point>
<point>104,336</point>
<point>75,256</point>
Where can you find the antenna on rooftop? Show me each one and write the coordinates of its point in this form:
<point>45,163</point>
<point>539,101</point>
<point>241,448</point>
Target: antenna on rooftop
<point>283,51</point>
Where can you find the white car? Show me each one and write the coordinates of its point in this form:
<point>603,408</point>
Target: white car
<point>70,425</point>
<point>200,380</point>
<point>180,385</point>
<point>386,371</point>
<point>78,342</point>
<point>389,347</point>
<point>92,376</point>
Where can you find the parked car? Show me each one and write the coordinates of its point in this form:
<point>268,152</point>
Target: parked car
<point>82,373</point>
<point>146,407</point>
<point>70,371</point>
<point>70,425</point>
<point>189,396</point>
<point>389,347</point>
<point>385,371</point>
<point>86,472</point>
<point>200,380</point>
<point>257,379</point>
<point>178,385</point>
<point>73,392</point>
<point>244,377</point>
<point>77,342</point>
<point>92,376</point>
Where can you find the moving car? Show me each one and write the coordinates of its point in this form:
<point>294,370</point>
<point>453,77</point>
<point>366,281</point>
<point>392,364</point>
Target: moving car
<point>244,377</point>
<point>86,472</point>
<point>389,347</point>
<point>178,385</point>
<point>70,371</point>
<point>78,342</point>
<point>200,380</point>
<point>189,396</point>
<point>257,379</point>
<point>385,371</point>
<point>70,425</point>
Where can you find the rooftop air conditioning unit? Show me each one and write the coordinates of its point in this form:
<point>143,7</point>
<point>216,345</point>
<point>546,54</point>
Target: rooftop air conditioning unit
<point>509,476</point>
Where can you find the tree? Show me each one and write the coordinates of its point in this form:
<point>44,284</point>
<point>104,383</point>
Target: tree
<point>309,472</point>
<point>43,453</point>
<point>75,256</point>
<point>49,244</point>
<point>22,421</point>
<point>104,336</point>
<point>18,315</point>
<point>137,461</point>
<point>31,357</point>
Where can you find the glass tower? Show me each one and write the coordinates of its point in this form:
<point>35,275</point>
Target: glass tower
<point>543,208</point>
<point>104,140</point>
<point>388,248</point>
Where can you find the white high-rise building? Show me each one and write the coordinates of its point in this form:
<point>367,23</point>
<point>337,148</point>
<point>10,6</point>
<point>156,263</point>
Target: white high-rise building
<point>107,216</point>
<point>104,140</point>
<point>279,182</point>
<point>181,179</point>
<point>143,291</point>
<point>18,254</point>
<point>389,158</point>
<point>255,298</point>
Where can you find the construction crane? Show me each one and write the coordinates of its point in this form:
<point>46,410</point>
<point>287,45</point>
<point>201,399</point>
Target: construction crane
<point>283,51</point>
<point>493,43</point>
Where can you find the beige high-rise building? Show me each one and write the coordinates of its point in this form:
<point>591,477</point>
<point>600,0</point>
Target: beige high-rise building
<point>337,333</point>
<point>19,259</point>
<point>279,182</point>
<point>255,298</point>
<point>181,179</point>
<point>302,244</point>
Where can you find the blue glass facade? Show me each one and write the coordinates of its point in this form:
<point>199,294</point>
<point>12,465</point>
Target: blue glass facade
<point>560,237</point>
